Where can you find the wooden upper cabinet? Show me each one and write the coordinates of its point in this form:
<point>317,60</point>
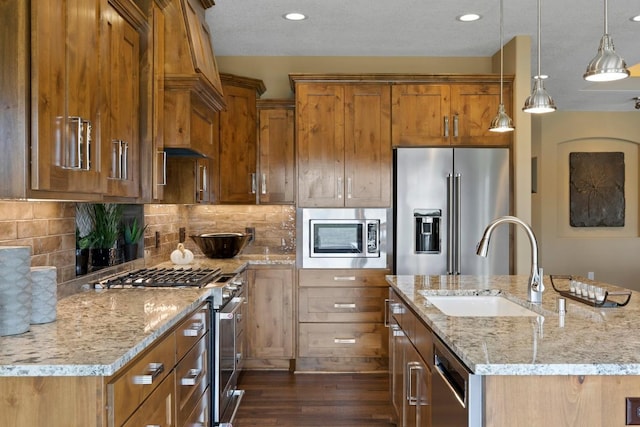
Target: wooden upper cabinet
<point>343,145</point>
<point>276,161</point>
<point>121,134</point>
<point>204,59</point>
<point>427,114</point>
<point>66,129</point>
<point>238,140</point>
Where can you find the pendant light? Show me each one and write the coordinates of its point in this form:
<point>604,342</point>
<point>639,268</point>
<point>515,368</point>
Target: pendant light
<point>607,64</point>
<point>539,101</point>
<point>501,122</point>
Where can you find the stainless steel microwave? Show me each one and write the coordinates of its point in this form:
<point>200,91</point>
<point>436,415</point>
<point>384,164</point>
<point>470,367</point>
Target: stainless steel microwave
<point>342,238</point>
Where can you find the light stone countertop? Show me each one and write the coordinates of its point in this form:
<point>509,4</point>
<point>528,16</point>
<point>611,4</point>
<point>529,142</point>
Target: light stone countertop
<point>588,341</point>
<point>97,332</point>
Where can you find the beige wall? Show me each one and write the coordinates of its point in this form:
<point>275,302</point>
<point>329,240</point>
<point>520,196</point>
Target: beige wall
<point>610,252</point>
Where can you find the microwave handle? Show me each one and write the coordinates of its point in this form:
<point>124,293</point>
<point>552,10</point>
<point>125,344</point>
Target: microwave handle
<point>373,227</point>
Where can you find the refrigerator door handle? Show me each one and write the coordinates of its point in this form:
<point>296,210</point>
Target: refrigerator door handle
<point>458,223</point>
<point>450,224</point>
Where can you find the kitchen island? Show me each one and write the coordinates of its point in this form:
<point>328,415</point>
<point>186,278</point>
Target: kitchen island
<point>545,370</point>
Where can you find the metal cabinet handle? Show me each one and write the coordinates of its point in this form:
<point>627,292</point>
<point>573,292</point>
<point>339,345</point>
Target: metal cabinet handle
<point>455,126</point>
<point>192,377</point>
<point>446,126</point>
<point>164,167</point>
<point>344,305</point>
<point>411,368</point>
<point>124,159</point>
<point>153,371</point>
<point>340,187</point>
<point>77,153</point>
<point>349,188</point>
<point>343,278</point>
<point>252,177</point>
<point>344,340</point>
<point>397,331</point>
<point>195,329</point>
<point>264,184</point>
<point>153,425</point>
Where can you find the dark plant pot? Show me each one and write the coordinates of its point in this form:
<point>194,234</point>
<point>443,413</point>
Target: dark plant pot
<point>130,251</point>
<point>103,257</point>
<point>82,261</point>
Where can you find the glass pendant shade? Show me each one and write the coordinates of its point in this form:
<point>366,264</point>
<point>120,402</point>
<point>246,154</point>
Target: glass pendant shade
<point>501,122</point>
<point>539,101</point>
<point>607,65</point>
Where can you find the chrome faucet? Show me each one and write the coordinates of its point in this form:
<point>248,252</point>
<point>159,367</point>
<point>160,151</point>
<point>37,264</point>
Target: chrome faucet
<point>536,287</point>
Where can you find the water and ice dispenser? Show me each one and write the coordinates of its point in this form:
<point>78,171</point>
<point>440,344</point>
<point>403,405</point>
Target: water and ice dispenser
<point>427,230</point>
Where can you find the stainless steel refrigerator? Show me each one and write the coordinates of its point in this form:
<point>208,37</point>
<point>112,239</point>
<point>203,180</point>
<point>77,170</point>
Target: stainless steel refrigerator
<point>443,200</point>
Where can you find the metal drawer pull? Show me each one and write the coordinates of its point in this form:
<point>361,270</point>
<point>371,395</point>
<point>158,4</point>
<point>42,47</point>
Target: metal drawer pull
<point>194,330</point>
<point>191,378</point>
<point>344,305</point>
<point>153,370</point>
<point>344,340</point>
<point>413,400</point>
<point>153,425</point>
<point>344,278</point>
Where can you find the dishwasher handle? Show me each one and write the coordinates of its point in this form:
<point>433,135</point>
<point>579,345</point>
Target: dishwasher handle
<point>459,390</point>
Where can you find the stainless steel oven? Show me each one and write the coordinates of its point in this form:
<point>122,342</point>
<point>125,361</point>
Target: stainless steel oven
<point>343,238</point>
<point>229,354</point>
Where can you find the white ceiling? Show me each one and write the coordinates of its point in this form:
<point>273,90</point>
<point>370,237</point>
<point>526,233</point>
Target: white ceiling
<point>571,31</point>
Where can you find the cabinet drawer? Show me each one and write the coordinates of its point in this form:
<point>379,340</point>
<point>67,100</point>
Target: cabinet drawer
<point>346,277</point>
<point>139,379</point>
<point>191,330</point>
<point>200,415</point>
<point>423,340</point>
<point>341,305</point>
<point>342,340</point>
<point>192,379</point>
<point>157,409</point>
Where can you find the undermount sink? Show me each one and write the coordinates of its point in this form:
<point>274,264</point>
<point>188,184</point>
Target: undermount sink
<point>478,306</point>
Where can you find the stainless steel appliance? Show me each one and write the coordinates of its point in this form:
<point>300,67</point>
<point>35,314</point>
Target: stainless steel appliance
<point>443,199</point>
<point>343,238</point>
<point>227,343</point>
<point>456,394</point>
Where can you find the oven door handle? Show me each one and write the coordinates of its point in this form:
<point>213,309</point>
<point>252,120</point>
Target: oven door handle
<point>229,315</point>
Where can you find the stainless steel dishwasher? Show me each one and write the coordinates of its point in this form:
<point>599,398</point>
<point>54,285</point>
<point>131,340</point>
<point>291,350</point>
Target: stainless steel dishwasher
<point>456,398</point>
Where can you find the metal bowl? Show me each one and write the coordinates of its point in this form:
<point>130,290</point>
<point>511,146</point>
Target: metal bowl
<point>221,245</point>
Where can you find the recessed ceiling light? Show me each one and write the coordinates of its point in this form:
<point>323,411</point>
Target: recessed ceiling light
<point>635,18</point>
<point>469,17</point>
<point>294,16</point>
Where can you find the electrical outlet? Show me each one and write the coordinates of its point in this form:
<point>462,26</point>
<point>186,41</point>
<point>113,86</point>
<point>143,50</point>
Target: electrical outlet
<point>157,239</point>
<point>633,411</point>
<point>182,234</point>
<point>251,231</point>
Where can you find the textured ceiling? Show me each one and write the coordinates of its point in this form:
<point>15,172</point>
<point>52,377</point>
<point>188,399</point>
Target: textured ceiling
<point>571,31</point>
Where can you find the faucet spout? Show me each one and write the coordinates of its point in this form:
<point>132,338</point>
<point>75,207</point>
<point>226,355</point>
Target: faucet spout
<point>536,286</point>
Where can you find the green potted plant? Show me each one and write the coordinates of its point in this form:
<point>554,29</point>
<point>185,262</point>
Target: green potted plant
<point>106,219</point>
<point>131,233</point>
<point>82,253</point>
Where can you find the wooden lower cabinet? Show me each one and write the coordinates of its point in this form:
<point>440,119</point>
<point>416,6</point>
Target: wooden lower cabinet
<point>270,326</point>
<point>341,320</point>
<point>157,410</point>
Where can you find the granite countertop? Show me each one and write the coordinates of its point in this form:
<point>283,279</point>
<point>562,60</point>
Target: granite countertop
<point>97,332</point>
<point>585,341</point>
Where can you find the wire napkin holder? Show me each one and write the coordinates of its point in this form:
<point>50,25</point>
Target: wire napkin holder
<point>606,302</point>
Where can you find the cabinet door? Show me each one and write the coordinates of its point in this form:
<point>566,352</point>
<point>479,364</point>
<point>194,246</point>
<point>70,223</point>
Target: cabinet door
<point>270,317</point>
<point>64,92</point>
<point>276,176</point>
<point>417,384</point>
<point>420,114</point>
<point>121,137</point>
<point>157,410</point>
<point>238,146</point>
<point>192,180</point>
<point>475,105</point>
<point>367,150</point>
<point>320,149</point>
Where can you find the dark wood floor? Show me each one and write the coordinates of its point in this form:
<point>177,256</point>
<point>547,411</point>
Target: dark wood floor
<point>285,399</point>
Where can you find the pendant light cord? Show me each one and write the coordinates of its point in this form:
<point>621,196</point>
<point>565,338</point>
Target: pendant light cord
<point>606,18</point>
<point>501,51</point>
<point>539,13</point>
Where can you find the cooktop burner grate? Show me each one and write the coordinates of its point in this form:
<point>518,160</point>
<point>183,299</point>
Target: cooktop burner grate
<point>164,277</point>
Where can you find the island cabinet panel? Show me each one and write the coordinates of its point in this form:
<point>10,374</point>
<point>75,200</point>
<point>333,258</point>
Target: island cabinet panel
<point>52,401</point>
<point>157,410</point>
<point>343,144</point>
<point>341,320</point>
<point>569,400</point>
<point>276,157</point>
<point>270,322</point>
<point>433,114</point>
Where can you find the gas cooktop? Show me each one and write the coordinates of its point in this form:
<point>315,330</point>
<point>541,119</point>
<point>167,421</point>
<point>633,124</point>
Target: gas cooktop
<point>163,277</point>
